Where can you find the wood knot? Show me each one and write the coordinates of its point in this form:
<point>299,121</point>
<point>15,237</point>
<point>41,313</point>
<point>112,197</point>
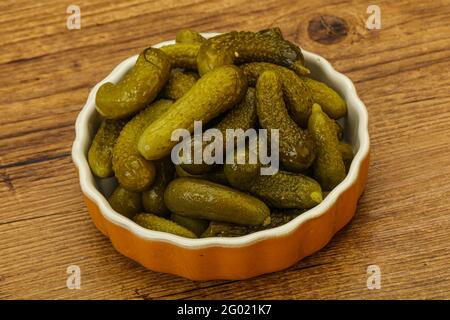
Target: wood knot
<point>327,29</point>
<point>6,179</point>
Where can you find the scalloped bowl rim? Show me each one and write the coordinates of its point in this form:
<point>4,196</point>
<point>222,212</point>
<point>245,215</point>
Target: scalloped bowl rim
<point>88,187</point>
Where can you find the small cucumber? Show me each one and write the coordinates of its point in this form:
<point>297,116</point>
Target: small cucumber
<point>201,199</point>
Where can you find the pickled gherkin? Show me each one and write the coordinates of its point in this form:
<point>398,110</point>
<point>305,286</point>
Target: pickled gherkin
<point>281,190</point>
<point>125,202</point>
<point>212,94</point>
<point>296,145</point>
<point>202,199</point>
<point>189,36</point>
<point>197,226</point>
<point>134,172</point>
<point>287,190</point>
<point>139,87</point>
<point>153,199</point>
<point>241,47</point>
<point>182,55</point>
<point>242,176</point>
<point>153,222</point>
<point>296,93</point>
<point>243,116</point>
<point>329,167</point>
<point>100,152</point>
<point>330,101</point>
<point>179,84</point>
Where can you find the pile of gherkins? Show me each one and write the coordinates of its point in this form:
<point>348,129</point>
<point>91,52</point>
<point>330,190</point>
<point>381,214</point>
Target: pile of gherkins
<point>236,80</point>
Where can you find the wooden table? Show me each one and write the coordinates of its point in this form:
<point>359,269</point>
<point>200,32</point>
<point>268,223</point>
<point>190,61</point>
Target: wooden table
<point>401,72</point>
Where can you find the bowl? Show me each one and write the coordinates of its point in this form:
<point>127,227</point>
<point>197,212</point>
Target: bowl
<point>229,258</point>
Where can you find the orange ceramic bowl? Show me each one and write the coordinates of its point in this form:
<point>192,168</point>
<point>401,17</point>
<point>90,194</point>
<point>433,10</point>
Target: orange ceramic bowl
<point>229,258</point>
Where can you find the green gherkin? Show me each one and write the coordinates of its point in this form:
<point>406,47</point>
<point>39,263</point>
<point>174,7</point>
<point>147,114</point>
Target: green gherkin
<point>296,93</point>
<point>197,226</point>
<point>125,202</point>
<point>212,94</point>
<point>179,84</point>
<point>242,176</point>
<point>139,87</point>
<point>182,55</point>
<point>189,36</point>
<point>330,101</point>
<point>100,152</point>
<point>153,199</point>
<point>153,222</point>
<point>287,190</point>
<point>283,189</point>
<point>296,145</point>
<point>329,167</point>
<point>202,199</point>
<point>242,116</point>
<point>131,169</point>
<point>241,47</point>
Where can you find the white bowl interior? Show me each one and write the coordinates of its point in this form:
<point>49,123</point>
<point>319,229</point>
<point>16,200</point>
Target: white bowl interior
<point>355,133</point>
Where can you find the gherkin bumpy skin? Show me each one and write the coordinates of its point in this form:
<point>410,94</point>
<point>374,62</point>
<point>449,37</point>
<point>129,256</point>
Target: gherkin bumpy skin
<point>139,87</point>
<point>212,95</point>
<point>296,146</point>
<point>100,152</point>
<point>133,171</point>
<point>179,84</point>
<point>189,36</point>
<point>287,190</point>
<point>182,55</point>
<point>201,199</point>
<point>153,222</point>
<point>329,168</point>
<point>242,176</point>
<point>242,116</point>
<point>297,94</point>
<point>125,202</point>
<point>240,47</point>
<point>283,190</point>
<point>330,101</point>
<point>153,199</point>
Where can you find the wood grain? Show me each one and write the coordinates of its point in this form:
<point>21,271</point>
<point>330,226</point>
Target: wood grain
<point>401,72</point>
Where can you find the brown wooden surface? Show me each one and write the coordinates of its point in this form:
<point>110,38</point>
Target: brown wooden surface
<point>401,72</point>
